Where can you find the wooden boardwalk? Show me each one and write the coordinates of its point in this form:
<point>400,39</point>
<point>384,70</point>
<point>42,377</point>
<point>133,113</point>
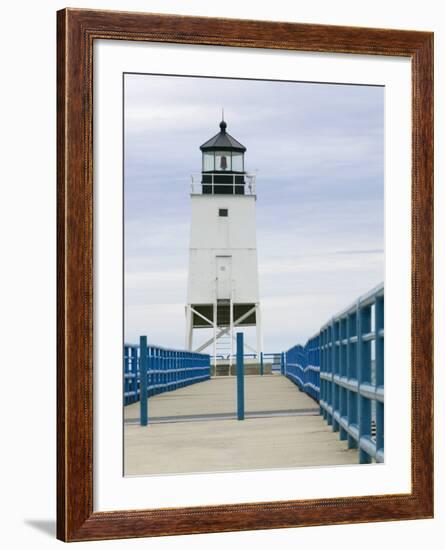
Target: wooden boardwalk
<point>194,429</point>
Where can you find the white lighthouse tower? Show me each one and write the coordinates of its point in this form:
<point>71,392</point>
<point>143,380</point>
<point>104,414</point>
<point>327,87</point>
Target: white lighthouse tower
<point>223,270</point>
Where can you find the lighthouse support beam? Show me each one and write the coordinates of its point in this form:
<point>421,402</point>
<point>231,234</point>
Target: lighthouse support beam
<point>259,332</point>
<point>215,318</point>
<point>231,334</point>
<point>225,330</point>
<point>188,328</point>
<point>211,323</point>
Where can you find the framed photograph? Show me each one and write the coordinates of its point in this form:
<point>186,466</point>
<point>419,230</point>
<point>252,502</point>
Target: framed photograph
<point>245,229</point>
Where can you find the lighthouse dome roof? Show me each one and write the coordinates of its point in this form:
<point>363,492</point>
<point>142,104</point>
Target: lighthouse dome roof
<point>222,141</point>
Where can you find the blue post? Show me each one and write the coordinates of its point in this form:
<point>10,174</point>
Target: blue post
<point>135,372</point>
<point>126,372</point>
<point>282,363</point>
<point>322,381</point>
<point>261,363</point>
<point>240,374</point>
<point>143,367</point>
<point>329,370</point>
<point>379,360</point>
<point>363,368</point>
<point>335,372</point>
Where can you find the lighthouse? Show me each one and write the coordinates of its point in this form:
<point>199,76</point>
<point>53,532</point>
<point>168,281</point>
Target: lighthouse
<point>223,292</point>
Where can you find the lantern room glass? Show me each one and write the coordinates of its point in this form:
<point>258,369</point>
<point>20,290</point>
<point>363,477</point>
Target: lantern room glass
<point>237,162</point>
<point>223,161</point>
<point>208,162</point>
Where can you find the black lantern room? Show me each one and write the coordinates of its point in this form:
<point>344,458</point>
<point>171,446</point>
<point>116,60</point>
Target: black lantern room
<point>223,164</point>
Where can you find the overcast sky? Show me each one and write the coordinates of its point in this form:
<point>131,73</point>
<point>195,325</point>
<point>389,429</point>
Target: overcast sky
<point>318,152</point>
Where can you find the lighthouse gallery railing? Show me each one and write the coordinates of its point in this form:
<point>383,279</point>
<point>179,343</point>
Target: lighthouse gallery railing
<point>233,183</point>
<point>342,367</point>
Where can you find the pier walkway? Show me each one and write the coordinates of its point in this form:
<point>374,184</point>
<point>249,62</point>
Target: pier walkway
<point>197,425</point>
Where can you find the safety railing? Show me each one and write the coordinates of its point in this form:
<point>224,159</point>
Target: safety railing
<point>209,183</point>
<point>342,368</point>
<point>302,366</point>
<point>167,370</point>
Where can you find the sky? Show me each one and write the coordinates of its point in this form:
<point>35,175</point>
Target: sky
<point>318,153</point>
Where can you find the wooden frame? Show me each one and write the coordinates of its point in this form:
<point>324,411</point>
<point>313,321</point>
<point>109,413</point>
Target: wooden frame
<point>77,30</point>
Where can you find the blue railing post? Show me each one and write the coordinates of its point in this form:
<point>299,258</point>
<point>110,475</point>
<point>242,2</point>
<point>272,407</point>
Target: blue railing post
<point>329,355</point>
<point>261,363</point>
<point>363,376</point>
<point>322,374</point>
<point>282,363</point>
<point>351,374</point>
<point>379,367</point>
<point>343,404</point>
<point>143,367</point>
<point>127,380</point>
<point>240,375</point>
<point>335,374</point>
<point>135,372</point>
<point>155,366</point>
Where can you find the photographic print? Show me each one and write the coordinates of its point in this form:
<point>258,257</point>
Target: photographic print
<point>253,274</point>
<point>244,217</point>
<point>245,229</point>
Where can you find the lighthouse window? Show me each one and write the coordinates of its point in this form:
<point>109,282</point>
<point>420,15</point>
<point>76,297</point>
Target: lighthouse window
<point>223,212</point>
<point>223,160</point>
<point>208,162</point>
<point>237,162</point>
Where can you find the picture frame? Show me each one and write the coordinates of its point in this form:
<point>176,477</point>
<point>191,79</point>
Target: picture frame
<point>76,32</point>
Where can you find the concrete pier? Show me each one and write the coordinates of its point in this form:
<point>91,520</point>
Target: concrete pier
<point>194,429</point>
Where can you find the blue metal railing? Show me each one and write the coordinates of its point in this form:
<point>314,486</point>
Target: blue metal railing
<point>167,370</point>
<point>342,367</point>
<point>302,366</point>
<point>240,375</point>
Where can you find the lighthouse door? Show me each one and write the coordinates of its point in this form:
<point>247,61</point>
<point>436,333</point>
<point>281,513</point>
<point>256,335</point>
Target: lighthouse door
<point>223,277</point>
